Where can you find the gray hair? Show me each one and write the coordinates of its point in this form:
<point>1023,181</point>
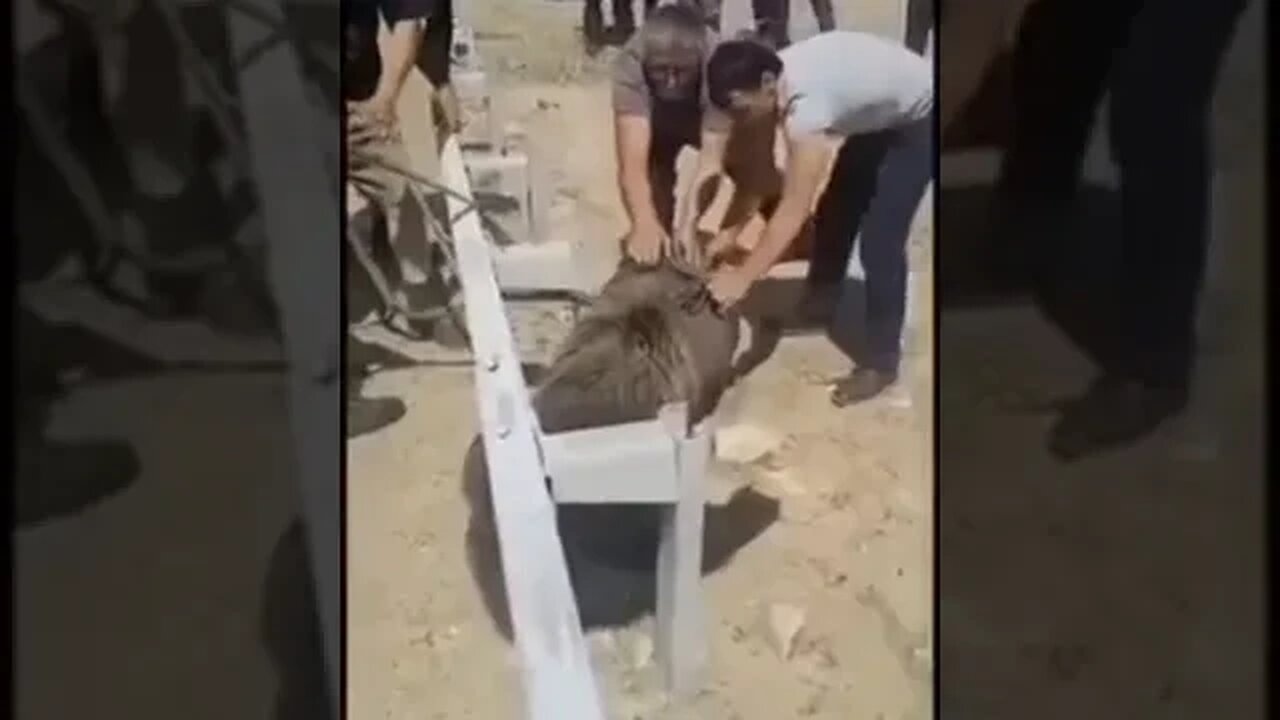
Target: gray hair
<point>676,26</point>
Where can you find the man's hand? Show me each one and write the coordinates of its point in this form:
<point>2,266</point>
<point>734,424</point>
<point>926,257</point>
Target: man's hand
<point>370,122</point>
<point>723,243</point>
<point>378,113</point>
<point>450,111</point>
<point>728,286</point>
<point>646,243</point>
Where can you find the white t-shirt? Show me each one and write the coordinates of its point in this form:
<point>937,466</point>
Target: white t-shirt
<point>848,83</point>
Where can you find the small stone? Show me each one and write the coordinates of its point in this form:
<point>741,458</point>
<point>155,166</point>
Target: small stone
<point>641,651</point>
<point>905,503</point>
<point>604,642</point>
<point>785,623</point>
<point>899,400</point>
<point>922,662</point>
<point>745,444</point>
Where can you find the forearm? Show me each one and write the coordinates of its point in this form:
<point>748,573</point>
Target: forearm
<point>710,164</point>
<point>402,53</point>
<point>779,233</point>
<point>637,194</point>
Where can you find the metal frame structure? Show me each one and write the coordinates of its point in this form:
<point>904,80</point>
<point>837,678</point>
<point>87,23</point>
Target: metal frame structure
<point>660,462</point>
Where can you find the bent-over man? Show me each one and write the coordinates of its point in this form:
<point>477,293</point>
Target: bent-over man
<point>866,102</point>
<point>658,103</point>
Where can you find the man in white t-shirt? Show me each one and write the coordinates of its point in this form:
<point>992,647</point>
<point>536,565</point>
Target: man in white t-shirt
<point>868,103</point>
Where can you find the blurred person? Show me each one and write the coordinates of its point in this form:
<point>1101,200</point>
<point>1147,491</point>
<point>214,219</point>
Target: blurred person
<point>1159,59</point>
<point>435,62</point>
<point>371,92</point>
<point>597,35</point>
<point>773,19</point>
<point>857,111</point>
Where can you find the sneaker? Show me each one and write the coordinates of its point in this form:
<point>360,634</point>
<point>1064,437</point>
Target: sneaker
<point>1113,413</point>
<point>861,385</point>
<point>369,415</point>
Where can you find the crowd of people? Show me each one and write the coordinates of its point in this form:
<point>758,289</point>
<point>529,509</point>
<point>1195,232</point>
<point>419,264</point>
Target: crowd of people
<point>858,152</point>
<point>856,112</point>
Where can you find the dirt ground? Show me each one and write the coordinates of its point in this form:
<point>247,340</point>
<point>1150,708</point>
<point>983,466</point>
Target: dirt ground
<point>1129,585</point>
<point>850,549</point>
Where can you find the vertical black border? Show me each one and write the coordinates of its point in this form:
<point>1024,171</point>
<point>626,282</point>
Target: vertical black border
<point>935,22</point>
<point>343,371</point>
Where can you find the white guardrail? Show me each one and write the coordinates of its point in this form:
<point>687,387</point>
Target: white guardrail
<point>647,462</point>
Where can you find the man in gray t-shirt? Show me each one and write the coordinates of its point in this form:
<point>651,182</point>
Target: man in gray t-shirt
<point>658,106</point>
<point>866,103</point>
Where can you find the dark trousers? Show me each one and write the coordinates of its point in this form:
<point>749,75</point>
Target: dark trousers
<point>1161,58</point>
<point>874,193</point>
<point>624,17</point>
<point>437,45</point>
<point>772,18</point>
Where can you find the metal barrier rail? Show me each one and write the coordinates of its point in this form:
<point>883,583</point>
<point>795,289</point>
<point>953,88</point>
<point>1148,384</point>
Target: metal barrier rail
<point>555,662</point>
<point>661,461</point>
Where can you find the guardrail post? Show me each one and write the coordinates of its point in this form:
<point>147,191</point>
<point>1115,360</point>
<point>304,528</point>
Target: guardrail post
<point>681,635</point>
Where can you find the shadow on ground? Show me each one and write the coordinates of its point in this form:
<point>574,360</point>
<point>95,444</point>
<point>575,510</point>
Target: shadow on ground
<point>56,479</point>
<point>291,629</point>
<point>1069,273</point>
<point>768,312</point>
<point>611,550</point>
<point>1087,583</point>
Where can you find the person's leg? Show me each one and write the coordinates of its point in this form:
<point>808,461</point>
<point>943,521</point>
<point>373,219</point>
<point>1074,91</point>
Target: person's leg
<point>624,20</point>
<point>434,63</point>
<point>844,203</point>
<point>711,13</point>
<point>772,18</point>
<point>367,172</point>
<point>921,18</point>
<point>1061,58</point>
<point>825,14</point>
<point>1161,96</point>
<point>905,174</point>
<point>593,25</point>
<point>366,415</point>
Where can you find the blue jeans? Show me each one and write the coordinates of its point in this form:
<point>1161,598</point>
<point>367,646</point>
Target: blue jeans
<point>875,190</point>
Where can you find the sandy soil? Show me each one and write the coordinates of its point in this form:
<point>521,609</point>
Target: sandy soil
<point>1128,585</point>
<point>850,547</point>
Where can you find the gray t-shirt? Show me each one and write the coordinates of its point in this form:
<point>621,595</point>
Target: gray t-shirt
<point>849,83</point>
<point>679,122</point>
